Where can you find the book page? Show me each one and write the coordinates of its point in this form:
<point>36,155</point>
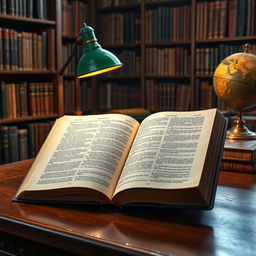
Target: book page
<point>169,151</point>
<point>83,151</point>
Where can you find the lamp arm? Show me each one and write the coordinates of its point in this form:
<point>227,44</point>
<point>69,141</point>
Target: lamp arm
<point>77,43</point>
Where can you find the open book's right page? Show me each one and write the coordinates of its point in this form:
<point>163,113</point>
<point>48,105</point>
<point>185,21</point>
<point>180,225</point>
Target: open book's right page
<point>169,151</point>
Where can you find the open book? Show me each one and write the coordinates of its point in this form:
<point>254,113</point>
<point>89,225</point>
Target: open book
<point>171,158</point>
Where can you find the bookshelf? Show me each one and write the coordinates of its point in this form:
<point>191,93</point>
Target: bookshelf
<point>119,30</point>
<point>74,15</point>
<point>30,89</point>
<point>166,67</point>
<point>181,43</point>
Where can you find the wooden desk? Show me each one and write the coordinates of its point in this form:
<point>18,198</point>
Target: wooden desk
<point>228,229</point>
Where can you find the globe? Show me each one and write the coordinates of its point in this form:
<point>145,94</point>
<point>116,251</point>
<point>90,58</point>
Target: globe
<point>234,82</point>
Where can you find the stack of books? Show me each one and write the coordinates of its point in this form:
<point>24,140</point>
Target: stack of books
<point>239,155</point>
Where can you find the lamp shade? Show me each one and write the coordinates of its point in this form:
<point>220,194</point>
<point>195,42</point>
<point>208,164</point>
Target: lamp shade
<point>95,60</point>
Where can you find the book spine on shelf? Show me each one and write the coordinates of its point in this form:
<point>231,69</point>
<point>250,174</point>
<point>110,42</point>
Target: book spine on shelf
<point>13,143</point>
<point>23,144</point>
<point>31,139</point>
<point>4,144</point>
<point>6,49</point>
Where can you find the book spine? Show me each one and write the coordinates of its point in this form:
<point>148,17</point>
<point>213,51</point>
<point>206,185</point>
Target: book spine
<point>17,98</point>
<point>241,14</point>
<point>4,144</point>
<point>1,51</point>
<point>23,99</point>
<point>32,99</point>
<point>23,144</point>
<point>223,19</point>
<point>6,49</point>
<point>31,139</point>
<point>44,50</point>
<point>30,8</point>
<point>3,102</point>
<point>10,7</point>
<point>13,143</point>
<point>51,50</point>
<point>4,7</point>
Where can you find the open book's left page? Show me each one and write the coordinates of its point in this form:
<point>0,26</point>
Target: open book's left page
<point>80,151</point>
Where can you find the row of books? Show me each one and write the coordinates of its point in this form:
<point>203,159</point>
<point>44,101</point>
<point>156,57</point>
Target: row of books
<point>23,50</point>
<point>132,64</point>
<point>116,96</point>
<point>205,96</point>
<point>168,61</point>
<point>239,156</point>
<point>242,18</point>
<point>207,59</point>
<point>225,18</point>
<point>165,24</point>
<point>212,19</point>
<point>120,28</point>
<point>74,15</point>
<point>85,91</point>
<point>115,3</point>
<point>37,9</point>
<point>167,95</point>
<point>25,99</point>
<point>22,142</point>
<point>66,53</point>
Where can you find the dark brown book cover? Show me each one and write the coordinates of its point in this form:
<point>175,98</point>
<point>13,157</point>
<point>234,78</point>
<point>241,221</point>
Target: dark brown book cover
<point>6,48</point>
<point>223,19</point>
<point>243,150</point>
<point>23,144</point>
<point>32,99</point>
<point>4,144</point>
<point>1,47</point>
<point>238,166</point>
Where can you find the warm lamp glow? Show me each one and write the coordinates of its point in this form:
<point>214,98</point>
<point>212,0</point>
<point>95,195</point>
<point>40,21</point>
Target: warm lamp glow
<point>99,71</point>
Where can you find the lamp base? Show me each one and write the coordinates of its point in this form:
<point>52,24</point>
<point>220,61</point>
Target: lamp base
<point>239,131</point>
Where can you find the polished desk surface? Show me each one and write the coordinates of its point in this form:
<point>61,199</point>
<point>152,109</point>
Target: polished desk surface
<point>228,229</point>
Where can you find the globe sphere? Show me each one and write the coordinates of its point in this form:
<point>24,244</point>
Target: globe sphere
<point>234,81</point>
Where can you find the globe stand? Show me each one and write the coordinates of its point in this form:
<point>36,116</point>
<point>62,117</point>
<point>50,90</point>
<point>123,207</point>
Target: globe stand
<point>239,131</point>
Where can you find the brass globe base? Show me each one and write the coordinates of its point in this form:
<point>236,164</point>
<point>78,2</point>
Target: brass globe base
<point>239,131</point>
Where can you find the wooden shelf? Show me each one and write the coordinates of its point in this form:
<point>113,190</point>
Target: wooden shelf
<point>227,40</point>
<point>69,76</point>
<point>172,43</point>
<point>27,72</point>
<point>27,119</point>
<point>167,2</point>
<point>67,38</point>
<point>124,8</point>
<point>204,76</point>
<point>119,77</point>
<point>23,21</point>
<point>169,77</point>
<point>123,46</point>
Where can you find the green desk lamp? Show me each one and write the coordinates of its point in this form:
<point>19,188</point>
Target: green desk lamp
<point>94,61</point>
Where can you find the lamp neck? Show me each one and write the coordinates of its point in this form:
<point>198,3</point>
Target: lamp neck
<point>88,38</point>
